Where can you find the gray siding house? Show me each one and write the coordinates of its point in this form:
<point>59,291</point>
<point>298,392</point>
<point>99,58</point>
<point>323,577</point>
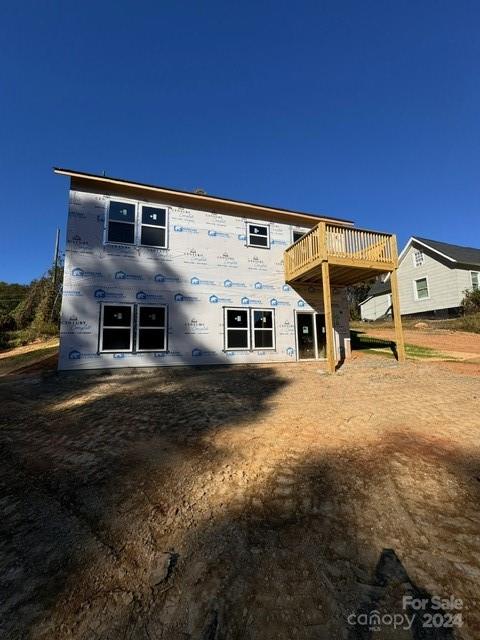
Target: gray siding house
<point>432,278</point>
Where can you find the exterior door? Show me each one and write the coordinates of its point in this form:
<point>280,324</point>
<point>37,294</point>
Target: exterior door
<point>321,335</point>
<point>305,336</point>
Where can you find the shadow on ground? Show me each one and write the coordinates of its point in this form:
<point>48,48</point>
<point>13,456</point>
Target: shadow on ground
<point>145,505</point>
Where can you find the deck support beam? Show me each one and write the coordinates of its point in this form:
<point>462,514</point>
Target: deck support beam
<point>327,308</point>
<point>397,318</point>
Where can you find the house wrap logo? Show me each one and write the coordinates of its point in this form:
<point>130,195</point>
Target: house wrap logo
<point>214,299</point>
<point>229,284</point>
<point>74,325</point>
<point>159,277</point>
<point>178,228</point>
<point>301,303</point>
<point>226,260</point>
<point>197,353</point>
<point>248,301</point>
<point>101,294</point>
<point>286,287</point>
<point>213,233</point>
<point>290,351</point>
<point>197,281</point>
<point>122,275</point>
<point>193,256</point>
<point>152,297</point>
<point>74,354</point>
<point>283,243</point>
<point>279,303</point>
<point>180,297</point>
<point>195,326</point>
<point>263,285</point>
<point>72,293</point>
<point>78,241</point>
<point>77,272</point>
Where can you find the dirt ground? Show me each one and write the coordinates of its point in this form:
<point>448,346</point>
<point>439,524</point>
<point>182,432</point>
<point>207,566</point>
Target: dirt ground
<point>462,346</point>
<point>267,502</point>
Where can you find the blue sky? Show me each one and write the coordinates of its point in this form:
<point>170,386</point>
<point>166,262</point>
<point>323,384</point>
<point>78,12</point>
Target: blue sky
<point>364,110</point>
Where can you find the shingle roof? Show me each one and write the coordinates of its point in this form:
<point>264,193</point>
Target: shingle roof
<point>379,288</point>
<point>462,255</point>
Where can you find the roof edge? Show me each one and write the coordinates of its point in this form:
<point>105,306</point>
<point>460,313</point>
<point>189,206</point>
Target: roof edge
<point>196,196</point>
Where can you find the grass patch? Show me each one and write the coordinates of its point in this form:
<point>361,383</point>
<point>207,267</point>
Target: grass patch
<point>378,346</point>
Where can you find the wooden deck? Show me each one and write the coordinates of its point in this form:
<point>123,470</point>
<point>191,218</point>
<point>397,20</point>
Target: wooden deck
<point>340,256</point>
<point>353,254</point>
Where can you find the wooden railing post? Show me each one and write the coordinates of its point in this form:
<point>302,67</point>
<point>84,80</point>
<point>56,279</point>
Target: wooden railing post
<point>397,317</point>
<point>322,240</point>
<point>327,309</point>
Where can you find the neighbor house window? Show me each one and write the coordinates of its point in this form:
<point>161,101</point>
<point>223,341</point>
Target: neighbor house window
<point>262,327</point>
<point>153,227</point>
<point>121,222</point>
<point>116,327</point>
<point>151,328</point>
<point>258,235</point>
<point>421,288</point>
<point>249,329</point>
<point>418,258</point>
<point>237,329</point>
<point>475,280</point>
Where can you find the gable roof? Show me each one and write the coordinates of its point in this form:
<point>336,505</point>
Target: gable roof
<point>217,203</point>
<point>463,255</point>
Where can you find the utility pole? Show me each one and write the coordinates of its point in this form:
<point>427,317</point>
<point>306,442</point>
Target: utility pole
<point>55,258</point>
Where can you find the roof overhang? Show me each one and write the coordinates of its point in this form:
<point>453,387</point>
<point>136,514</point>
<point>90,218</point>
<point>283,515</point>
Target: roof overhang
<point>127,188</point>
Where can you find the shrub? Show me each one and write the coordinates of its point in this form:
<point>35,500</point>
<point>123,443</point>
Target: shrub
<point>471,301</point>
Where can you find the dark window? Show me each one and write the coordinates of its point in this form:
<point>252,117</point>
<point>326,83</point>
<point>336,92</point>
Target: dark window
<point>262,329</point>
<point>237,318</point>
<point>237,329</point>
<point>154,227</point>
<point>116,330</point>
<point>258,235</point>
<point>121,222</point>
<point>297,235</point>
<point>151,328</point>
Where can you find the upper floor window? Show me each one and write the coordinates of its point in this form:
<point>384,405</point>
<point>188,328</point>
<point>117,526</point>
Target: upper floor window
<point>297,235</point>
<point>124,227</point>
<point>418,258</point>
<point>421,288</point>
<point>154,227</point>
<point>121,222</point>
<point>475,280</point>
<point>258,235</point>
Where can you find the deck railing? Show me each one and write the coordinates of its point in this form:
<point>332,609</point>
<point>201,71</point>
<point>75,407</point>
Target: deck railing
<point>340,245</point>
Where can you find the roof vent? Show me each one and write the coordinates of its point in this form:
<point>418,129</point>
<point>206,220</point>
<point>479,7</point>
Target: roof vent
<point>200,192</point>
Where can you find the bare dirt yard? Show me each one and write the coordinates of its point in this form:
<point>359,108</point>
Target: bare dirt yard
<point>267,502</point>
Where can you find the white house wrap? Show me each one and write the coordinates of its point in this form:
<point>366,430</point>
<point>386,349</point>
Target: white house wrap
<point>218,282</point>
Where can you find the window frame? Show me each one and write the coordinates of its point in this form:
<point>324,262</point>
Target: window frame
<point>255,224</point>
<point>250,329</point>
<point>415,253</point>
<point>107,221</point>
<point>294,231</point>
<point>415,289</point>
<point>141,225</point>
<point>226,329</point>
<point>253,329</point>
<point>138,327</point>
<point>102,327</point>
<point>476,285</point>
<point>137,224</point>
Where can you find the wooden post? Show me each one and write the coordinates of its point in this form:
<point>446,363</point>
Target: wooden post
<point>397,318</point>
<point>327,308</point>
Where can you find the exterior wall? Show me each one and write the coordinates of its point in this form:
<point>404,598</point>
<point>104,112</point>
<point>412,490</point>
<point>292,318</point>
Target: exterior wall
<point>375,307</point>
<point>206,267</point>
<point>464,279</point>
<point>443,283</point>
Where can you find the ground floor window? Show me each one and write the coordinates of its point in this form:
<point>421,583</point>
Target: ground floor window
<point>116,327</point>
<point>475,280</point>
<point>151,328</point>
<point>249,329</point>
<point>421,289</point>
<point>117,322</point>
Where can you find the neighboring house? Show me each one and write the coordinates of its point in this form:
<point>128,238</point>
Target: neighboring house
<point>378,304</point>
<point>155,276</point>
<point>432,279</point>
